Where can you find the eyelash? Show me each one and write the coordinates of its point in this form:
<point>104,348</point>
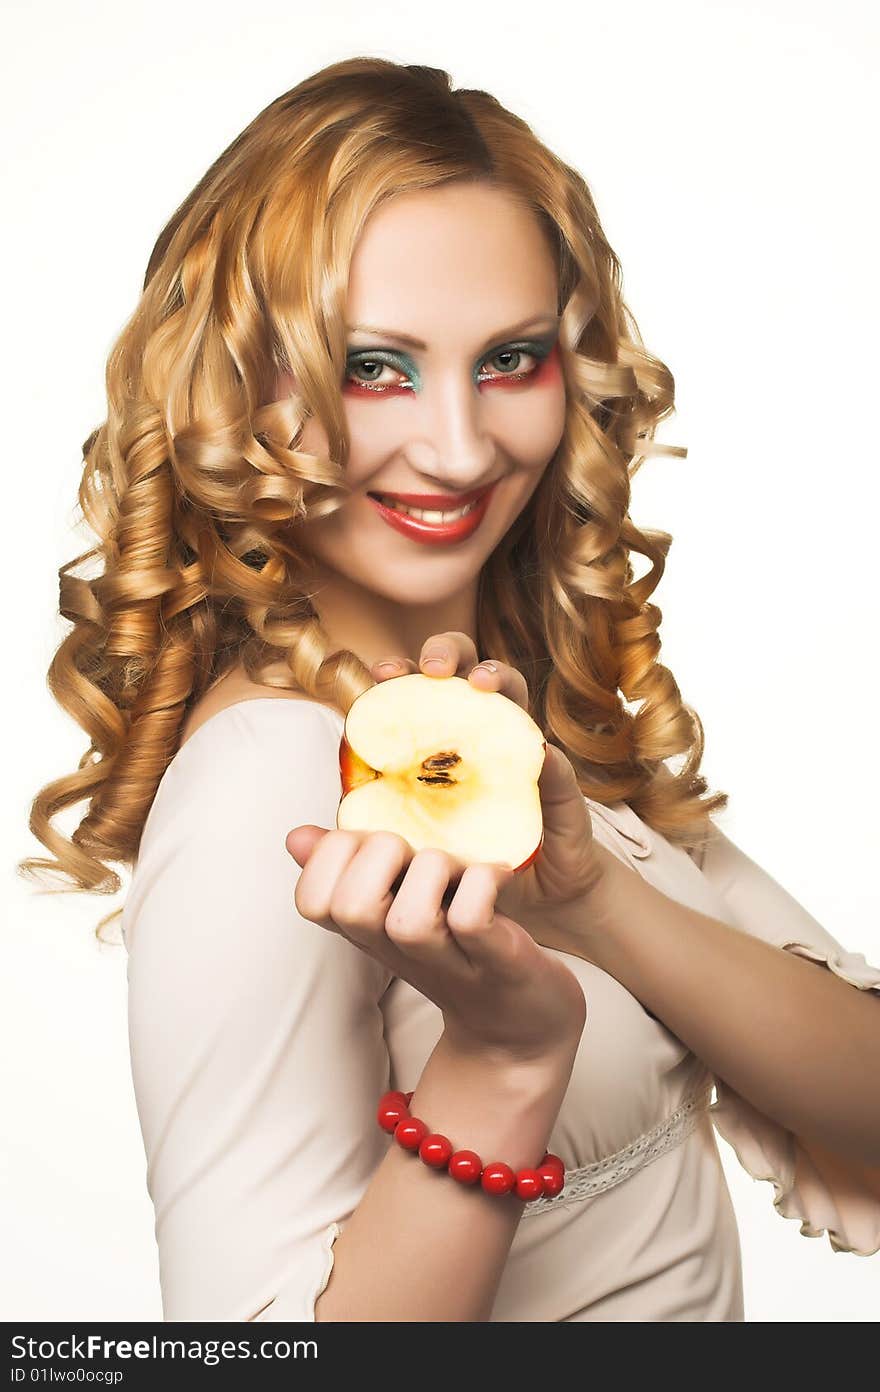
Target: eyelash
<point>390,359</point>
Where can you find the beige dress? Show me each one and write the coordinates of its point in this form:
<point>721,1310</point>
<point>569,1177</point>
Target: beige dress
<point>261,1043</point>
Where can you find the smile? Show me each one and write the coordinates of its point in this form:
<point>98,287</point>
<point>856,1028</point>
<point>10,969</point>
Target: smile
<point>424,514</point>
<point>431,526</point>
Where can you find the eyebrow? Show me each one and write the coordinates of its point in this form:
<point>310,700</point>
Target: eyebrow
<point>417,342</point>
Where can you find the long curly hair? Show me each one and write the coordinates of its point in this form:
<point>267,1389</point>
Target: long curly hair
<point>194,485</point>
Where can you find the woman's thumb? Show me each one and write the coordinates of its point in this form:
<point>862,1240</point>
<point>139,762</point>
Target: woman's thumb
<point>563,807</point>
<point>558,780</point>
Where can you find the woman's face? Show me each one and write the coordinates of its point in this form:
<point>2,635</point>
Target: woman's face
<point>479,401</point>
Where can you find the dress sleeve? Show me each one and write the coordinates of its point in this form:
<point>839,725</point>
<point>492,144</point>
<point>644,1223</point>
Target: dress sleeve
<point>820,1188</point>
<point>256,1036</point>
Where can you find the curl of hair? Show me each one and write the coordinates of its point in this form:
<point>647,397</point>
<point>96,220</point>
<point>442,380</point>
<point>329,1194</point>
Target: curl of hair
<point>193,485</point>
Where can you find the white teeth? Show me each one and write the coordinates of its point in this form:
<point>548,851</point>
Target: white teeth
<point>435,518</point>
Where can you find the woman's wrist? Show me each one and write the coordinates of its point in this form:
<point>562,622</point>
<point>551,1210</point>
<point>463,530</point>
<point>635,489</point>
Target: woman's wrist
<point>502,1108</point>
<point>521,1067</point>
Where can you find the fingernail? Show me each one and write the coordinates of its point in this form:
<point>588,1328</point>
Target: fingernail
<point>390,665</point>
<point>486,667</point>
<point>435,655</point>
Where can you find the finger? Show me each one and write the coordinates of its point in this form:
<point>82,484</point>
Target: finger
<point>364,893</point>
<point>487,937</point>
<point>302,840</point>
<point>328,860</point>
<point>387,667</point>
<point>564,810</point>
<point>416,921</point>
<point>455,654</point>
<point>569,866</point>
<point>498,676</point>
<point>448,655</point>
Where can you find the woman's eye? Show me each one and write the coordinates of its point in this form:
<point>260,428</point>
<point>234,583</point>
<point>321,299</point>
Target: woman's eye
<point>508,353</point>
<point>372,367</point>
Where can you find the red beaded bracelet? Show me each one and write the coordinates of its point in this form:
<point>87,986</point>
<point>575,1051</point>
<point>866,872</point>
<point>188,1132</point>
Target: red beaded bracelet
<point>466,1166</point>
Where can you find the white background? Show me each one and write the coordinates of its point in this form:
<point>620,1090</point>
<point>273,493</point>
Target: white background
<point>731,150</point>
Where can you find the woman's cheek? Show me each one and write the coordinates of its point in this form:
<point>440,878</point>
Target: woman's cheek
<point>535,432</point>
<point>374,433</point>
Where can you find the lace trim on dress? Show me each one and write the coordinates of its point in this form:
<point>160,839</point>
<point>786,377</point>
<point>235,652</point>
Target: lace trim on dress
<point>614,1169</point>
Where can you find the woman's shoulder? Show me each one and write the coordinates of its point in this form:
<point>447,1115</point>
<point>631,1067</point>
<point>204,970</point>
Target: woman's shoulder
<point>235,688</point>
<point>213,876</point>
<point>253,763</point>
<point>245,750</point>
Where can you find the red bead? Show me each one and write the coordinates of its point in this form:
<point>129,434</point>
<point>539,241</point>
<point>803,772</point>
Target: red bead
<point>529,1185</point>
<point>465,1166</point>
<point>554,1182</point>
<point>435,1150</point>
<point>498,1178</point>
<point>554,1160</point>
<point>392,1109</point>
<point>410,1133</point>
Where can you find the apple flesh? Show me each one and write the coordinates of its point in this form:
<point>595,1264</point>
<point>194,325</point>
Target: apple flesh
<point>444,765</point>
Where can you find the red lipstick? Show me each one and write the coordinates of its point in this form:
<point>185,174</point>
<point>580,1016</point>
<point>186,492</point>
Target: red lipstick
<point>441,502</point>
<point>434,533</point>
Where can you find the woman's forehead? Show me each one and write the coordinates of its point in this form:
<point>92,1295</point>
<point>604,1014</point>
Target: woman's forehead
<point>450,261</point>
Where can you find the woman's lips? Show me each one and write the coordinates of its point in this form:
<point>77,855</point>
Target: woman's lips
<point>434,533</point>
<point>437,502</point>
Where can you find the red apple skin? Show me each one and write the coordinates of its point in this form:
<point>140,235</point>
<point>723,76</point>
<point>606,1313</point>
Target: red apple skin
<point>526,863</point>
<point>352,768</point>
<point>354,771</point>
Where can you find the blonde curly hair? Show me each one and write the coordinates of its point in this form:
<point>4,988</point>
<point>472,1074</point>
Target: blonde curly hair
<point>193,485</point>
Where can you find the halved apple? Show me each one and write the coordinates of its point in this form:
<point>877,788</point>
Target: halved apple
<point>444,765</point>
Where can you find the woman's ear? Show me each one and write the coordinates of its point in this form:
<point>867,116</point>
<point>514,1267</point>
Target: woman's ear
<point>285,385</point>
<point>278,384</point>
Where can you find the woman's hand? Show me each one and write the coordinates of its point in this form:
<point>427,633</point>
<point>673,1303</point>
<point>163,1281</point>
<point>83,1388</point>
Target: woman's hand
<point>433,921</point>
<point>569,866</point>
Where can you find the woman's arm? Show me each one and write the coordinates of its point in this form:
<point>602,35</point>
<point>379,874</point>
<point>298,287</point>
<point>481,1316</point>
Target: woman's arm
<point>259,1057</point>
<point>443,1244</point>
<point>797,1042</point>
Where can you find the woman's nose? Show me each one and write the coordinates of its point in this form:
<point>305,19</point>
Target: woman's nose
<point>451,435</point>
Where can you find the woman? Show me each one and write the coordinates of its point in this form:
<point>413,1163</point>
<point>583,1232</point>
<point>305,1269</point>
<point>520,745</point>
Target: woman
<point>382,290</point>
